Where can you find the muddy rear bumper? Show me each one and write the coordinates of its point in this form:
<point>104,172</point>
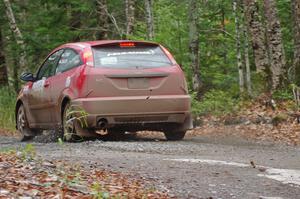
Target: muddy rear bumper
<point>138,112</point>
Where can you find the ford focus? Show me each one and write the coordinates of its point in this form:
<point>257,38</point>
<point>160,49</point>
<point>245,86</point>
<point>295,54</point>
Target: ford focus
<point>115,86</point>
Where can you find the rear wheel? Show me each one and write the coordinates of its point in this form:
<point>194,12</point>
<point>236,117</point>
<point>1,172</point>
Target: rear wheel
<point>69,127</point>
<point>115,134</point>
<point>174,135</point>
<point>22,125</point>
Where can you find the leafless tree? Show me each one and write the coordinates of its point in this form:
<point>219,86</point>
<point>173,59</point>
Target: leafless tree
<point>129,11</point>
<point>17,34</point>
<point>246,51</point>
<point>238,47</point>
<point>296,22</point>
<point>149,19</point>
<point>276,51</point>
<point>194,44</point>
<point>257,35</point>
<point>3,68</point>
<point>102,19</point>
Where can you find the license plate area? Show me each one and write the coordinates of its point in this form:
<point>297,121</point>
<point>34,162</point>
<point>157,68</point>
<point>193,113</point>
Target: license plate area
<point>138,83</point>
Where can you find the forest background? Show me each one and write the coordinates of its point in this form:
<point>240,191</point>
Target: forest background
<point>232,51</point>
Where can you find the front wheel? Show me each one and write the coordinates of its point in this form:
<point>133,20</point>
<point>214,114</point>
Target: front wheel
<point>174,135</point>
<point>22,125</point>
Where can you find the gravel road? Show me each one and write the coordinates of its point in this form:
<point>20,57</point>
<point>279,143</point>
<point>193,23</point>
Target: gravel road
<point>197,167</point>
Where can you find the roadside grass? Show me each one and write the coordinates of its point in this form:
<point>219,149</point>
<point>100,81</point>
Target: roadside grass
<point>7,108</point>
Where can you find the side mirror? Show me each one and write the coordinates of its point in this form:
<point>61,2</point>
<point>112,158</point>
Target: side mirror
<point>27,77</point>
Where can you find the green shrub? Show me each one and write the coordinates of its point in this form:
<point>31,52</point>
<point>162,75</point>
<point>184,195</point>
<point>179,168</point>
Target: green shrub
<point>215,102</point>
<point>283,94</point>
<point>259,84</point>
<point>7,108</point>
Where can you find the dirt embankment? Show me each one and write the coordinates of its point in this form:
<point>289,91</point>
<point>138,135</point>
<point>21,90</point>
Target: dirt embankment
<point>258,121</point>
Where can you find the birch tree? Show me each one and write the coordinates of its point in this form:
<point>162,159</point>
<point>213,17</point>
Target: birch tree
<point>238,47</point>
<point>17,34</point>
<point>3,68</point>
<point>194,44</point>
<point>129,11</point>
<point>257,35</point>
<point>246,51</point>
<point>276,51</point>
<point>296,24</point>
<point>149,19</point>
<point>223,27</point>
<point>102,19</point>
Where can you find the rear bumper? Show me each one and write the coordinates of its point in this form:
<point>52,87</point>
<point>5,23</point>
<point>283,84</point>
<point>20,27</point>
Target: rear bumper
<point>135,110</point>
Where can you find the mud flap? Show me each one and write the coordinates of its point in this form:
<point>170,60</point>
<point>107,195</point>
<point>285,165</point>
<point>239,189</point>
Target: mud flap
<point>188,124</point>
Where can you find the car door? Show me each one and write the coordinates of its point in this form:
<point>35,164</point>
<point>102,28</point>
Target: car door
<point>65,77</point>
<point>39,99</point>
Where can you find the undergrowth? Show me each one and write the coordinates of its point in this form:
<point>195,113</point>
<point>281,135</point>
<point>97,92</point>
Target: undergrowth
<point>215,102</point>
<point>7,108</point>
<point>222,102</point>
<point>283,94</point>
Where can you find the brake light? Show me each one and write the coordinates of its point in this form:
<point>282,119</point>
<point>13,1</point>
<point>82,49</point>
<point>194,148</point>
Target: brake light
<point>127,44</point>
<point>88,58</point>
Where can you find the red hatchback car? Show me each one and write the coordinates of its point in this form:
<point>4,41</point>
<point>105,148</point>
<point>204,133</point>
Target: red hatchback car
<point>118,86</point>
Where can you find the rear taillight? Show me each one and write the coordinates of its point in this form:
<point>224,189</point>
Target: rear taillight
<point>88,57</point>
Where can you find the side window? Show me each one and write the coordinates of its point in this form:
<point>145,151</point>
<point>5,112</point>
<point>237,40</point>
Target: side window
<point>69,59</point>
<point>49,66</point>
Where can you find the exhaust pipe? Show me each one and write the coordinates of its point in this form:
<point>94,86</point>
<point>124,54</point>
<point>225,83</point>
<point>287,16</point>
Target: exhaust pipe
<point>102,123</point>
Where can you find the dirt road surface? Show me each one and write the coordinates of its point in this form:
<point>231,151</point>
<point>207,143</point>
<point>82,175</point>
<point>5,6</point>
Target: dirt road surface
<point>197,167</point>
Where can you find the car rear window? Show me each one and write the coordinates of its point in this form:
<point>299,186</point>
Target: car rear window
<point>130,55</point>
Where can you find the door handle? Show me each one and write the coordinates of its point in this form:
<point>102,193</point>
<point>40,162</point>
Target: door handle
<point>46,84</point>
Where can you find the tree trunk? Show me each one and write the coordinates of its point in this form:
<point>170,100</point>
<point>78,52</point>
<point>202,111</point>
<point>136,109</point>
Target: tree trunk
<point>3,69</point>
<point>15,70</point>
<point>238,47</point>
<point>194,44</point>
<point>129,11</point>
<point>246,51</point>
<point>17,34</point>
<point>102,19</point>
<point>257,35</point>
<point>274,35</point>
<point>224,45</point>
<point>149,19</point>
<point>296,24</point>
<point>179,40</point>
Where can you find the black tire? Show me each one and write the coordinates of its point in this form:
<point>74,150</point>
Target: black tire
<point>22,125</point>
<point>69,127</point>
<point>115,135</point>
<point>174,135</point>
